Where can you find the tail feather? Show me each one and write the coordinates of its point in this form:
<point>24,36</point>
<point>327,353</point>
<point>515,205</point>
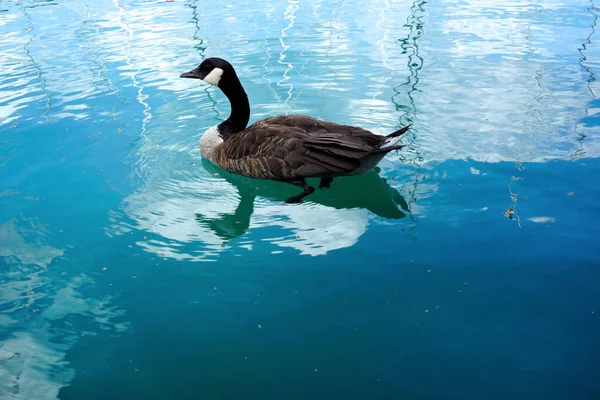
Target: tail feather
<point>399,132</point>
<point>386,149</point>
<point>390,142</point>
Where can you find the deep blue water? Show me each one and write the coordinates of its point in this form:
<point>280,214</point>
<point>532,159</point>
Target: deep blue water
<point>467,266</point>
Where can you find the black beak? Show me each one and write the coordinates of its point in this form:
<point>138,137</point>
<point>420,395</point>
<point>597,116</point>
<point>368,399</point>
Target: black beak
<point>190,74</point>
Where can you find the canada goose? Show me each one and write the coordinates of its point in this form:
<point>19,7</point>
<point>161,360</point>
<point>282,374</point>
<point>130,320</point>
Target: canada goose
<point>285,148</point>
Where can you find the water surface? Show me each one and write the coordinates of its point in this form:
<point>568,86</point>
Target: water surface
<point>465,267</point>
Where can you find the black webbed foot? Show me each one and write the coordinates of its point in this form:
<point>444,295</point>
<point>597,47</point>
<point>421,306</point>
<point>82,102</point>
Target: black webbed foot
<point>325,183</point>
<point>307,190</point>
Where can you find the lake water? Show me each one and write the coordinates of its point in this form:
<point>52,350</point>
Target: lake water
<point>467,266</point>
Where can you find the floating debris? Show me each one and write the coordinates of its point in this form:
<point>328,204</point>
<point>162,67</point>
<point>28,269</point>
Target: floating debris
<point>570,194</point>
<point>104,269</point>
<point>542,219</point>
<point>259,326</point>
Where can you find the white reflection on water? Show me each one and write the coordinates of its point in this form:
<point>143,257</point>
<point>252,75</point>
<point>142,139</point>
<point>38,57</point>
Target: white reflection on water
<point>35,337</point>
<point>314,229</point>
<point>32,369</point>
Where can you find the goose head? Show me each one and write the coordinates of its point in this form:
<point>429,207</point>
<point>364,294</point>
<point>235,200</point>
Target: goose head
<point>214,71</point>
<point>220,73</point>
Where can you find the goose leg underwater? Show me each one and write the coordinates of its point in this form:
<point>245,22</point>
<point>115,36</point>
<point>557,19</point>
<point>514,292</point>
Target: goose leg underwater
<point>287,148</point>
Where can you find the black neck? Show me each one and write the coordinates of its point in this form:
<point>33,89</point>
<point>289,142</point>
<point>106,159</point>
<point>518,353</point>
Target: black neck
<point>240,108</point>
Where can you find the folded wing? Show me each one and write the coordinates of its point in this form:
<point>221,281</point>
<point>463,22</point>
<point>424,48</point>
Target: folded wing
<point>290,147</point>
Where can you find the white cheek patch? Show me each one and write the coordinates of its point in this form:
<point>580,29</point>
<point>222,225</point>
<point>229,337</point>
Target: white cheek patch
<point>214,77</point>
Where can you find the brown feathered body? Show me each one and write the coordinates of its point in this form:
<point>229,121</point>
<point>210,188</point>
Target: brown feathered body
<point>299,146</point>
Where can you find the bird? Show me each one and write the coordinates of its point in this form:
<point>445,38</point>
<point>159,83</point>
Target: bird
<point>286,148</point>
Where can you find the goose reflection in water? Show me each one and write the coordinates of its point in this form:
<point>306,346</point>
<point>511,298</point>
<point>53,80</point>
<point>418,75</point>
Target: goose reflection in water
<point>375,195</point>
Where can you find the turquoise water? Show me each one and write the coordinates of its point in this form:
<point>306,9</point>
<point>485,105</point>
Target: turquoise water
<point>133,269</point>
